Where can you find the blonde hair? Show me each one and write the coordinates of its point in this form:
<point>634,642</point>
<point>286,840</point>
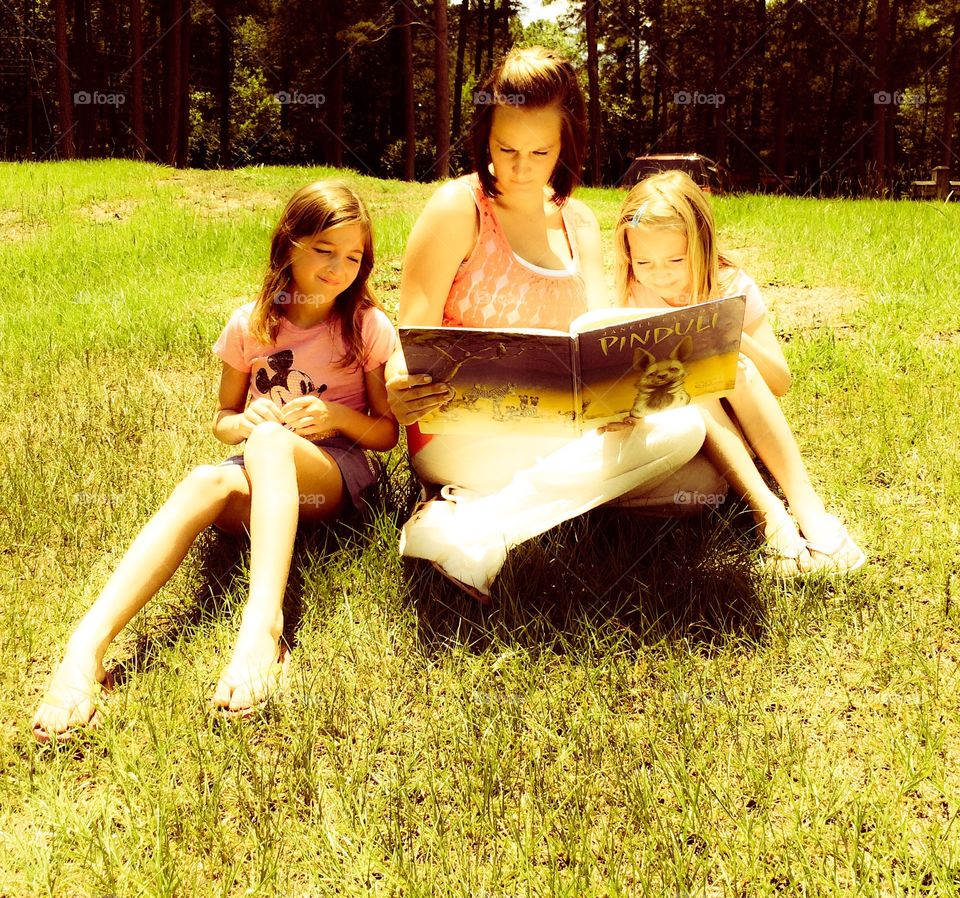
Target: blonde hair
<point>670,200</point>
<point>314,208</point>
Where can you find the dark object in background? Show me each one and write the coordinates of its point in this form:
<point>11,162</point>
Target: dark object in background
<point>707,173</point>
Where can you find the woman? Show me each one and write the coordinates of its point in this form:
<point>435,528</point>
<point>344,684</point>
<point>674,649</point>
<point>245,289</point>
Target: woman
<point>508,247</point>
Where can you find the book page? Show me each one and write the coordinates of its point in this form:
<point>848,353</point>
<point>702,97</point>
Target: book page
<point>516,381</point>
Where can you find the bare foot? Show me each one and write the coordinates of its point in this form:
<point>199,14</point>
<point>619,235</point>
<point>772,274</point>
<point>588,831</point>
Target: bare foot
<point>257,670</point>
<point>70,702</point>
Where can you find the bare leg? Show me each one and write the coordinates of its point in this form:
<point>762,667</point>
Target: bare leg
<point>290,478</point>
<point>765,426</point>
<point>199,500</point>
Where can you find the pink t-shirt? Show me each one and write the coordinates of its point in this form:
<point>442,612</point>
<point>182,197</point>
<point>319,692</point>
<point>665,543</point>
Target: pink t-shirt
<point>304,359</point>
<point>740,282</point>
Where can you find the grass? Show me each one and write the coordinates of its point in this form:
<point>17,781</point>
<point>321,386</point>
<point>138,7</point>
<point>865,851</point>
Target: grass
<point>637,713</point>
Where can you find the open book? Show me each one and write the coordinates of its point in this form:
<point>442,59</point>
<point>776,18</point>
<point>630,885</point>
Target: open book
<point>613,363</point>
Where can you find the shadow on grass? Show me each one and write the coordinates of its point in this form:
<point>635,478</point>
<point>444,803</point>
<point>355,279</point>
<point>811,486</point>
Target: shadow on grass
<point>610,572</point>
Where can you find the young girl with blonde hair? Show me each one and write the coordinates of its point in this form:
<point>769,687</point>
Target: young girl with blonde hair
<point>302,387</point>
<point>667,256</point>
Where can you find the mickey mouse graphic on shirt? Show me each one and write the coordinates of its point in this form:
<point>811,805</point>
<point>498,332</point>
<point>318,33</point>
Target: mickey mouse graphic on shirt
<point>277,378</point>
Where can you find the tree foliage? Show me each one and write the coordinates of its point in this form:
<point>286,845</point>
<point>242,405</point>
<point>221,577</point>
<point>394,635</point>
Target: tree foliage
<point>820,96</point>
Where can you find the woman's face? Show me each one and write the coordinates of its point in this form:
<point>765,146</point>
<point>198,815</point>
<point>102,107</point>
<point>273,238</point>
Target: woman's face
<point>524,147</point>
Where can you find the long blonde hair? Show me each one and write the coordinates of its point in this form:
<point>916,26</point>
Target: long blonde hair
<point>314,208</point>
<point>670,200</point>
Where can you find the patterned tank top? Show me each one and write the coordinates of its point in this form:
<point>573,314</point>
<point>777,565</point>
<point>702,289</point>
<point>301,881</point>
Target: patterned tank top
<point>496,288</point>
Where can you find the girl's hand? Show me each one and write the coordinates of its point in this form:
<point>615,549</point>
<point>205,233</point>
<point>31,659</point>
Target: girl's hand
<point>625,424</point>
<point>261,410</point>
<point>310,417</point>
<point>411,396</point>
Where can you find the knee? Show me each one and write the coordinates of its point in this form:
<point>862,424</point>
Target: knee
<point>267,438</point>
<point>209,483</point>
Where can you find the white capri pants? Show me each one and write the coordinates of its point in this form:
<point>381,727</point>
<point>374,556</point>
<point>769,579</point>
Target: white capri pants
<point>529,484</point>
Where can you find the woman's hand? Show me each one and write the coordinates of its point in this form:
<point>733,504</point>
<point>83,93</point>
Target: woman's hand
<point>411,396</point>
<point>310,417</point>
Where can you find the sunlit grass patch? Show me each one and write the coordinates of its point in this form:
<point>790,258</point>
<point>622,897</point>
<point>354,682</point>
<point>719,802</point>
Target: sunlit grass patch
<point>638,712</point>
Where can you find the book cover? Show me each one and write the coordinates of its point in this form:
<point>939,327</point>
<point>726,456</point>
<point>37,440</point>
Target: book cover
<point>661,361</point>
<point>616,362</point>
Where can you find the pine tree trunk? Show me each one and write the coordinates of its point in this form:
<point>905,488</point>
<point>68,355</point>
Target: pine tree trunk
<point>952,102</point>
<point>183,129</point>
<point>759,85</point>
<point>881,104</point>
<point>859,100</point>
<point>591,11</point>
<point>28,81</point>
<point>86,113</point>
<point>491,30</point>
<point>442,90</point>
<point>479,19</point>
<point>719,80</point>
<point>458,72</point>
<point>64,97</point>
<point>136,71</point>
<point>224,80</point>
<point>409,119</point>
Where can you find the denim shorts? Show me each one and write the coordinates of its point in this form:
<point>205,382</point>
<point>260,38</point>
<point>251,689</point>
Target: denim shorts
<point>357,469</point>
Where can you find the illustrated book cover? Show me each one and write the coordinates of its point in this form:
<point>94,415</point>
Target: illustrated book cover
<point>613,363</point>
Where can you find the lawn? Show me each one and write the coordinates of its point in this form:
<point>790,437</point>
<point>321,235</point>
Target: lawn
<point>638,712</point>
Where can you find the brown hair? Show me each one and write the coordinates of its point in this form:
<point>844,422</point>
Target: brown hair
<point>533,77</point>
<point>314,208</point>
<point>671,200</point>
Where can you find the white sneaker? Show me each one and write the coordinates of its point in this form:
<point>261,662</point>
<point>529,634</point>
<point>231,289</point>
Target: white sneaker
<point>440,532</point>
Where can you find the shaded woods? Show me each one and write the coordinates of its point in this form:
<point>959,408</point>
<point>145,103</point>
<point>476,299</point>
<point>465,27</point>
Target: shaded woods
<point>818,97</point>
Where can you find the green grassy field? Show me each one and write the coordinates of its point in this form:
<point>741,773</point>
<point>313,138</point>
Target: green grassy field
<point>636,714</point>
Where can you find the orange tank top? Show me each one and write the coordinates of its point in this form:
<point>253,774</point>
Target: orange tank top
<point>494,287</point>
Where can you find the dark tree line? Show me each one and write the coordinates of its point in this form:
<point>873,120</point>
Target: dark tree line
<point>820,96</point>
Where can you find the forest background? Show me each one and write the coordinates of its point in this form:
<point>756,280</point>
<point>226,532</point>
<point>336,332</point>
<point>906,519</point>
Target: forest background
<point>810,97</point>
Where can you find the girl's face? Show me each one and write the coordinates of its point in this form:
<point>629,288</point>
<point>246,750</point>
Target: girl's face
<point>324,265</point>
<point>659,262</point>
<point>524,147</point>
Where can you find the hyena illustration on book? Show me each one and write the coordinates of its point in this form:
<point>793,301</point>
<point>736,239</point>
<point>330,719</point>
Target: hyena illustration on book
<point>660,385</point>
